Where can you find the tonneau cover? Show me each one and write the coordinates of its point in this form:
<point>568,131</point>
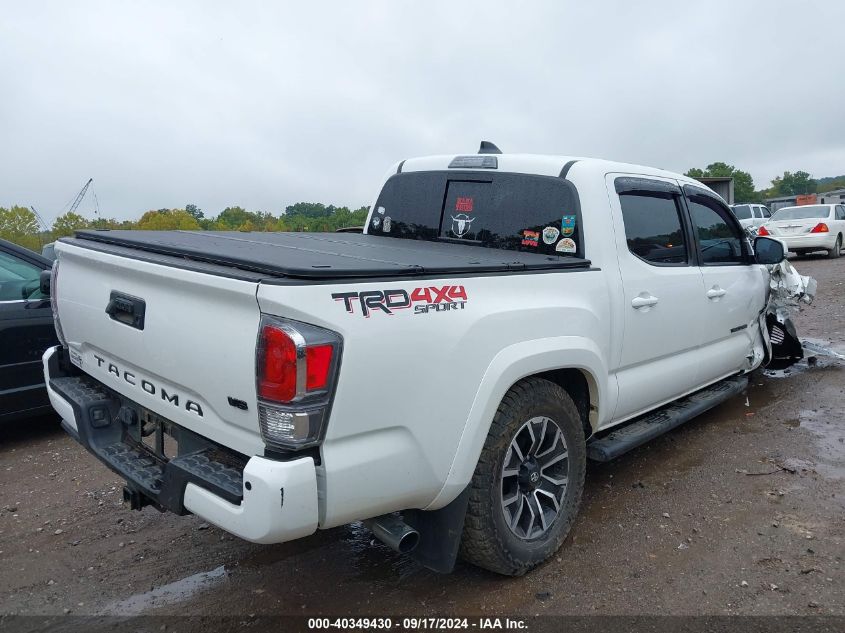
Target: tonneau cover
<point>321,256</point>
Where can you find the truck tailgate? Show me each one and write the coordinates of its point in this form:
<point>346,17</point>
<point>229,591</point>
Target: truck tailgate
<point>191,360</point>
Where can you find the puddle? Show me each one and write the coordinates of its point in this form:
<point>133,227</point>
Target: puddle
<point>374,560</point>
<point>823,348</point>
<point>171,593</point>
<point>828,429</point>
<point>762,392</point>
<point>817,354</point>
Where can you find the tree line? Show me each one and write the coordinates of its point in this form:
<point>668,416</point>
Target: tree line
<point>789,184</point>
<point>20,225</point>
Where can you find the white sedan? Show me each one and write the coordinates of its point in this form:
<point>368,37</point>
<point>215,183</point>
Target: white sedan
<point>812,227</point>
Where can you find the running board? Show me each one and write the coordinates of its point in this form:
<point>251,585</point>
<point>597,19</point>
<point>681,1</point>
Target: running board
<point>649,426</point>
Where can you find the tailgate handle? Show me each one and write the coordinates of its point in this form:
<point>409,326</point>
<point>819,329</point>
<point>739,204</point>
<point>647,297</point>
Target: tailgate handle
<point>127,309</point>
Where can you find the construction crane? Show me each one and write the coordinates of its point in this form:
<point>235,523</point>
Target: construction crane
<point>80,195</point>
<point>41,221</point>
<point>43,228</point>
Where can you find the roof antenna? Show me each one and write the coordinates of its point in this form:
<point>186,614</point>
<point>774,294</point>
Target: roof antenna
<point>488,148</point>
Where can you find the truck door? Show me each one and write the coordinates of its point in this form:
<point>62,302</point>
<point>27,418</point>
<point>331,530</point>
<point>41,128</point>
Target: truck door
<point>26,330</point>
<point>734,287</point>
<point>662,289</point>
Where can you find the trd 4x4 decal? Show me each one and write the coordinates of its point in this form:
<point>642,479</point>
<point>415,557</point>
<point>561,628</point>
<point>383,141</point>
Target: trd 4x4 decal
<point>423,300</point>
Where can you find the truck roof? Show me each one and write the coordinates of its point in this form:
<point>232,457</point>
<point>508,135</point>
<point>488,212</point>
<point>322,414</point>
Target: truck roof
<point>544,165</point>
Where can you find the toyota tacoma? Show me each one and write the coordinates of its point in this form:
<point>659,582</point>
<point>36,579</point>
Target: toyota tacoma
<point>443,376</point>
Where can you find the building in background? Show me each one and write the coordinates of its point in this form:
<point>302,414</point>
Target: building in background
<point>831,197</point>
<point>778,203</point>
<point>837,196</point>
<point>723,185</point>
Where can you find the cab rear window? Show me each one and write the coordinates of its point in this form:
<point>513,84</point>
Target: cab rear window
<point>536,214</point>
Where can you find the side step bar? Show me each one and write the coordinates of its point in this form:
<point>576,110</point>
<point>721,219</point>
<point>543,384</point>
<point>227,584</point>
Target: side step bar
<point>645,428</point>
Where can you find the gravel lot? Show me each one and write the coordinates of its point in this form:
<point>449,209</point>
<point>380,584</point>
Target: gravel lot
<point>739,512</point>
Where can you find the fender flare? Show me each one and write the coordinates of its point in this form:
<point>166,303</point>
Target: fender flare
<point>510,365</point>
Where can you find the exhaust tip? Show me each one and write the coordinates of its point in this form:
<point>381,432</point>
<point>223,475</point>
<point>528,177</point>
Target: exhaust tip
<point>409,542</point>
<point>391,530</point>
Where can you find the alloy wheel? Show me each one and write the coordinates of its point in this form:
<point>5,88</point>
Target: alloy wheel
<point>534,477</point>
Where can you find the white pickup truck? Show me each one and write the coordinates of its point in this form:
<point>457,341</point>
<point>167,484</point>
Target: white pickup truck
<point>443,376</point>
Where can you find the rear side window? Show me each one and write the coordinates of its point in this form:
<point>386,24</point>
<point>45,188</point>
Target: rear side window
<point>719,241</point>
<point>742,211</point>
<point>536,214</point>
<point>653,227</point>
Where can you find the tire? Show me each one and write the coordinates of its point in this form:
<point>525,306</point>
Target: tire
<point>531,405</point>
<point>837,248</point>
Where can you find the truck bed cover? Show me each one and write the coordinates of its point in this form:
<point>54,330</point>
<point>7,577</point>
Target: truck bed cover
<point>322,256</point>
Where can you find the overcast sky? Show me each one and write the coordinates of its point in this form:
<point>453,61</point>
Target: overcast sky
<point>265,104</point>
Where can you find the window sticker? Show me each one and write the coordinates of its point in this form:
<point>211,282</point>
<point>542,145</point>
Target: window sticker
<point>567,225</point>
<point>385,226</point>
<point>376,221</point>
<point>75,357</point>
<point>381,210</point>
<point>550,235</point>
<point>464,204</point>
<point>460,224</point>
<point>566,245</point>
<point>530,238</point>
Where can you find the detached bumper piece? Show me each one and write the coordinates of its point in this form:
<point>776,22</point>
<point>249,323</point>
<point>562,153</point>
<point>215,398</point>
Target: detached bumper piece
<point>258,499</point>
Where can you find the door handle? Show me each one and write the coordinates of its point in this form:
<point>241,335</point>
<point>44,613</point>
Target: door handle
<point>644,300</point>
<point>716,293</point>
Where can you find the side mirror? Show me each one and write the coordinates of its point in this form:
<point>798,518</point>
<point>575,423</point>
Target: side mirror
<point>44,282</point>
<point>768,251</point>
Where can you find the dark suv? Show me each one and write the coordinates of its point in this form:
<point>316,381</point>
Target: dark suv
<point>26,330</point>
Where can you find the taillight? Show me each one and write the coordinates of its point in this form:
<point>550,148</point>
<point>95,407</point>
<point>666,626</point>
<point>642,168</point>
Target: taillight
<point>296,367</point>
<point>762,231</point>
<point>277,378</point>
<point>318,361</point>
<point>821,227</point>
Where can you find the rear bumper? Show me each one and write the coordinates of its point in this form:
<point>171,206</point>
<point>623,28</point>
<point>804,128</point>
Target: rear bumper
<point>814,241</point>
<point>257,499</point>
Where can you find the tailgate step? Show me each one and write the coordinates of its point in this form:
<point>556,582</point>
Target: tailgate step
<point>136,465</point>
<point>224,480</point>
<point>103,429</point>
<point>81,389</point>
<point>645,428</point>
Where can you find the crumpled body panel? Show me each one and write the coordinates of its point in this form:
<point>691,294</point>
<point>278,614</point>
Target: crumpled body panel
<point>789,290</point>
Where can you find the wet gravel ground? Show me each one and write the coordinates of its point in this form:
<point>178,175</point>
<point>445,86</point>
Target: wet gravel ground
<point>741,511</point>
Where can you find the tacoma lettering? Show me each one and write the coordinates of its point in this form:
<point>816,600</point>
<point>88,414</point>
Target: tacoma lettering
<point>148,386</point>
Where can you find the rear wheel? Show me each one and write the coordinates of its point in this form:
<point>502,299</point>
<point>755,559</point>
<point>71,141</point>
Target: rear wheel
<point>527,486</point>
<point>837,248</point>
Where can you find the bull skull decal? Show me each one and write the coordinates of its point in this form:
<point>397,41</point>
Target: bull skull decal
<point>460,224</point>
